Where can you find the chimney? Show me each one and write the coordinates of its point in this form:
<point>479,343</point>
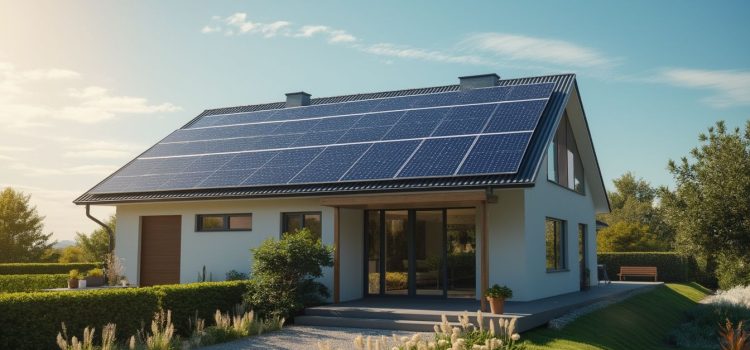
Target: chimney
<point>297,99</point>
<point>478,81</point>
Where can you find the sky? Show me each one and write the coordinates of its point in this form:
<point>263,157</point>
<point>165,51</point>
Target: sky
<point>85,86</point>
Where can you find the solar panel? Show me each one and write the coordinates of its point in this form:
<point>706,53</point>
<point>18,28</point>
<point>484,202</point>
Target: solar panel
<point>458,133</point>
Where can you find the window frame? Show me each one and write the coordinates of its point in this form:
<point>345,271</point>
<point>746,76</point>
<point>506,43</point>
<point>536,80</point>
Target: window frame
<point>285,227</point>
<point>227,220</point>
<point>561,149</point>
<point>563,245</point>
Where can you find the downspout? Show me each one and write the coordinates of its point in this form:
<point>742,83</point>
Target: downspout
<point>106,228</point>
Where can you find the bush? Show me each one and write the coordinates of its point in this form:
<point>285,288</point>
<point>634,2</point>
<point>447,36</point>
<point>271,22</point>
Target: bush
<point>732,271</point>
<point>700,329</point>
<point>29,283</point>
<point>32,320</point>
<point>671,266</point>
<point>44,268</point>
<point>284,273</point>
<point>204,297</point>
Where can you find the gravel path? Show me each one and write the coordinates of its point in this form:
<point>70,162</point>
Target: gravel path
<point>304,337</point>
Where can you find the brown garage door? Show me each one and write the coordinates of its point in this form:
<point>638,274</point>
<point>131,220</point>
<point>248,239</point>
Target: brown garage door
<point>160,250</point>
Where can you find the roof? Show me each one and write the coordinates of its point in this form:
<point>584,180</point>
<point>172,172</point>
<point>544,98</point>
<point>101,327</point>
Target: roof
<point>524,176</point>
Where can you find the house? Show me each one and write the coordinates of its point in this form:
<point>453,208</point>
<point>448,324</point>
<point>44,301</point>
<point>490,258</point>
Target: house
<point>439,191</point>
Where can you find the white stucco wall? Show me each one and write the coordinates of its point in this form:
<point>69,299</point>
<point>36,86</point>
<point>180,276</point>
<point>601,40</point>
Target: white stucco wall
<point>507,265</point>
<point>218,251</point>
<point>352,250</point>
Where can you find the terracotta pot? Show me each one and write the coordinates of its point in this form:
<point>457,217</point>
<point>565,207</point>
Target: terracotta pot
<point>72,283</point>
<point>94,281</point>
<point>496,305</point>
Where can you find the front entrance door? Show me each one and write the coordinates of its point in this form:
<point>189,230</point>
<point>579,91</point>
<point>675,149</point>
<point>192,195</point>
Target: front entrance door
<point>412,248</point>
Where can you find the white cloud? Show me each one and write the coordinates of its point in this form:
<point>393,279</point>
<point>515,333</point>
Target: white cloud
<point>526,48</point>
<point>238,23</point>
<point>96,104</point>
<point>309,31</point>
<point>210,29</point>
<point>391,50</point>
<point>88,169</point>
<point>730,87</point>
<point>93,149</point>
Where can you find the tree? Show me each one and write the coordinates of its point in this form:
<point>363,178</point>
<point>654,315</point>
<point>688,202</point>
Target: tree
<point>21,229</point>
<point>636,223</point>
<point>710,206</point>
<point>72,254</point>
<point>95,246</point>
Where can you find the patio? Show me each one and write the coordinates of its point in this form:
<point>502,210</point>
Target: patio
<point>412,314</point>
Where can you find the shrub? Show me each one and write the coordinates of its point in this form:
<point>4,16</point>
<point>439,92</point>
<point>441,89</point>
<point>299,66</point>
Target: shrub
<point>234,275</point>
<point>671,266</point>
<point>732,271</point>
<point>499,292</point>
<point>44,268</point>
<point>29,283</point>
<point>95,272</point>
<point>32,320</point>
<point>184,300</point>
<point>284,271</point>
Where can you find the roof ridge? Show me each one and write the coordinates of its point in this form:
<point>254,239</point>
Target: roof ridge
<point>358,96</point>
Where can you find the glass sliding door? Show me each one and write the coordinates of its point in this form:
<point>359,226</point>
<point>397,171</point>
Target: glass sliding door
<point>396,252</point>
<point>461,252</point>
<point>373,244</point>
<point>428,252</point>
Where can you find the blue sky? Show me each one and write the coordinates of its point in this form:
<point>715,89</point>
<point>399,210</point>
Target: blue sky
<point>86,86</point>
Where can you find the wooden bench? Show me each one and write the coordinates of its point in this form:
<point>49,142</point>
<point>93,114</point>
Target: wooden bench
<point>637,271</point>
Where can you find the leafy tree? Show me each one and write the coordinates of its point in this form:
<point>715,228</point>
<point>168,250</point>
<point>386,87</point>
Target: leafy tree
<point>710,206</point>
<point>95,246</point>
<point>284,272</point>
<point>21,229</point>
<point>636,223</point>
<point>72,254</point>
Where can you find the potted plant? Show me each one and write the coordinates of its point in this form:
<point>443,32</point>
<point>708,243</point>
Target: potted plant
<point>496,295</point>
<point>73,279</point>
<point>82,280</point>
<point>95,277</point>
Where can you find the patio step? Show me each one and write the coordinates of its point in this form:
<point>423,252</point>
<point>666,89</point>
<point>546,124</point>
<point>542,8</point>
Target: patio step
<point>372,323</point>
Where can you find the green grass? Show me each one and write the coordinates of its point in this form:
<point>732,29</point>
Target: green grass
<point>640,322</point>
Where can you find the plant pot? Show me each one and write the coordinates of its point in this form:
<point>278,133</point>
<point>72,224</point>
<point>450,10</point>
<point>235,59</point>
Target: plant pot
<point>95,281</point>
<point>496,305</point>
<point>73,283</point>
<point>82,283</point>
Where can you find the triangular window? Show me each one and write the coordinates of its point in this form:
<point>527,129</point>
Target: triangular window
<point>564,166</point>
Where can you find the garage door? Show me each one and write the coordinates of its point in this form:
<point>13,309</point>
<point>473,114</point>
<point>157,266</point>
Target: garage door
<point>160,250</point>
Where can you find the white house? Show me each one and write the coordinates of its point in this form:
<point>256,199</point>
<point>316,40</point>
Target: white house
<point>439,191</point>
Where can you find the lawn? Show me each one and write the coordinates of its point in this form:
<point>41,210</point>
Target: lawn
<point>640,322</point>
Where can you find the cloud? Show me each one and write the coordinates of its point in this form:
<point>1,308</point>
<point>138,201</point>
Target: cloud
<point>93,149</point>
<point>730,87</point>
<point>238,23</point>
<point>88,169</point>
<point>391,50</point>
<point>525,48</point>
<point>96,104</point>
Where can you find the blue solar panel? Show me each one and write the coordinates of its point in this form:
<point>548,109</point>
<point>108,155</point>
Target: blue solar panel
<point>465,120</point>
<point>331,164</point>
<point>381,161</point>
<point>298,145</point>
<point>516,116</point>
<point>525,92</point>
<point>495,154</point>
<point>437,157</point>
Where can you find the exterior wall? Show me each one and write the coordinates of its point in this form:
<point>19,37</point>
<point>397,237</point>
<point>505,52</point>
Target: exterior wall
<point>507,243</point>
<point>352,254</point>
<point>218,251</point>
<point>547,199</point>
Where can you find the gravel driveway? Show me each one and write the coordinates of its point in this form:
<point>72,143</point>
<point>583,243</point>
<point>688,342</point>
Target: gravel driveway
<point>305,337</point>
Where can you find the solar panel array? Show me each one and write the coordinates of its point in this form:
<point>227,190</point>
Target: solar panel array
<point>460,133</point>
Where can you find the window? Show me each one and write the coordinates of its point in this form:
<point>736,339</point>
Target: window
<point>291,222</point>
<point>224,222</point>
<point>555,244</point>
<point>564,166</point>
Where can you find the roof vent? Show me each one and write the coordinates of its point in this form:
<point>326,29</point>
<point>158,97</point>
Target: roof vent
<point>297,99</point>
<point>478,81</point>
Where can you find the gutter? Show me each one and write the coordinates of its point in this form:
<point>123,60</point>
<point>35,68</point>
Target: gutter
<point>106,228</point>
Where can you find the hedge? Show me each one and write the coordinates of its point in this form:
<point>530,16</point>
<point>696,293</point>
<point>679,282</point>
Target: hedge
<point>44,268</point>
<point>32,320</point>
<point>28,283</point>
<point>185,299</point>
<point>671,267</point>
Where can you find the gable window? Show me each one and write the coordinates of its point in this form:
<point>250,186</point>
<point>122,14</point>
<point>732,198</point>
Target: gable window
<point>554,237</point>
<point>224,222</point>
<point>291,222</point>
<point>564,166</point>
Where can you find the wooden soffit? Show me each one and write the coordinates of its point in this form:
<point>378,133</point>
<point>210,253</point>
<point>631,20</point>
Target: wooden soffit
<point>408,200</point>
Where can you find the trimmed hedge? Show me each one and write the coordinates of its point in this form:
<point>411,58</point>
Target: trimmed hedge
<point>32,320</point>
<point>29,283</point>
<point>205,297</point>
<point>44,268</point>
<point>671,267</point>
